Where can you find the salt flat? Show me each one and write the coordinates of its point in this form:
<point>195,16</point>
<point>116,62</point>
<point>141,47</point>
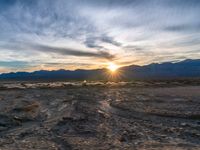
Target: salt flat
<point>99,117</point>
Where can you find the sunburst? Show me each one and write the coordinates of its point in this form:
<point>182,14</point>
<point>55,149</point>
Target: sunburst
<point>112,67</point>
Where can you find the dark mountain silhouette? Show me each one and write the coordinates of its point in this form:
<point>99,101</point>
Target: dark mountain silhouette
<point>183,69</point>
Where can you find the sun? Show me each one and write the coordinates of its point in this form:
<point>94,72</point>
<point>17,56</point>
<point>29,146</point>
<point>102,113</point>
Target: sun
<point>112,67</point>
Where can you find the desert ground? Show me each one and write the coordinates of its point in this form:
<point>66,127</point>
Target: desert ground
<point>99,116</point>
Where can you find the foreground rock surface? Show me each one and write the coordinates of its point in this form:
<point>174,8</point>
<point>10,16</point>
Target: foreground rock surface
<point>100,118</point>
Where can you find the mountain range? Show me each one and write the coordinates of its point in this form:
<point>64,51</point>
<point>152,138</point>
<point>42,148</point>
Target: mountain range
<point>184,69</point>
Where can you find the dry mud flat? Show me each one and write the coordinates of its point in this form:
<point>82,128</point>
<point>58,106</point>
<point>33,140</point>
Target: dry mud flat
<point>100,118</point>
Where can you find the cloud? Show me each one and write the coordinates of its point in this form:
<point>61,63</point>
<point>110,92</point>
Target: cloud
<point>72,52</point>
<point>92,42</point>
<point>96,42</point>
<point>134,48</point>
<point>14,64</point>
<point>59,50</point>
<point>183,27</point>
<point>105,29</point>
<point>110,40</point>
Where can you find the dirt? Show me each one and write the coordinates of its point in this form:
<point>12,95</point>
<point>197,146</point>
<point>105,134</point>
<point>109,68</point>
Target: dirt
<point>99,117</point>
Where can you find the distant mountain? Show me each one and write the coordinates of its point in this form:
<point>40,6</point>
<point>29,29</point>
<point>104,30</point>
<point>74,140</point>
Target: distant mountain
<point>183,69</point>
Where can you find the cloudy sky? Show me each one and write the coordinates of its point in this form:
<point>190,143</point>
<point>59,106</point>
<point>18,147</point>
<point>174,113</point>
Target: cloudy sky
<point>71,34</point>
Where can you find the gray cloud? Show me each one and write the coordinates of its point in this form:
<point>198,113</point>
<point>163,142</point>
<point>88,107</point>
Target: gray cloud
<point>91,42</point>
<point>183,27</point>
<point>73,52</point>
<point>58,50</point>
<point>144,26</point>
<point>110,40</point>
<point>134,48</point>
<point>95,42</point>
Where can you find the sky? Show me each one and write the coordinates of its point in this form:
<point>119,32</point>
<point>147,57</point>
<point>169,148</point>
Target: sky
<point>89,34</point>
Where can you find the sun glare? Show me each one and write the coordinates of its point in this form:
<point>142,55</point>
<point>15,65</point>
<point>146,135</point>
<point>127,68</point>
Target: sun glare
<point>112,67</point>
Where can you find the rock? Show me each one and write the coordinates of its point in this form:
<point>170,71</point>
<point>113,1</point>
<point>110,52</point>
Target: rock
<point>27,108</point>
<point>184,124</point>
<point>26,111</point>
<point>7,122</point>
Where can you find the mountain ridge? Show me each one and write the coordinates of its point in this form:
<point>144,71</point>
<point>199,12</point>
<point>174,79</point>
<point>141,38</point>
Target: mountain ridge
<point>185,68</point>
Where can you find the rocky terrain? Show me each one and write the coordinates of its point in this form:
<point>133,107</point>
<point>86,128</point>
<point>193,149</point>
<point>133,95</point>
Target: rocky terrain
<point>99,116</point>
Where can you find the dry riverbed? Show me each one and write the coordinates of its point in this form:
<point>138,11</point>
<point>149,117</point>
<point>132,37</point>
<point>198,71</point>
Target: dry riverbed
<point>100,117</point>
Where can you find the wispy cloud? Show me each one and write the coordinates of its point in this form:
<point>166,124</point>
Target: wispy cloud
<point>72,52</point>
<point>58,50</point>
<point>183,28</point>
<point>98,31</point>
